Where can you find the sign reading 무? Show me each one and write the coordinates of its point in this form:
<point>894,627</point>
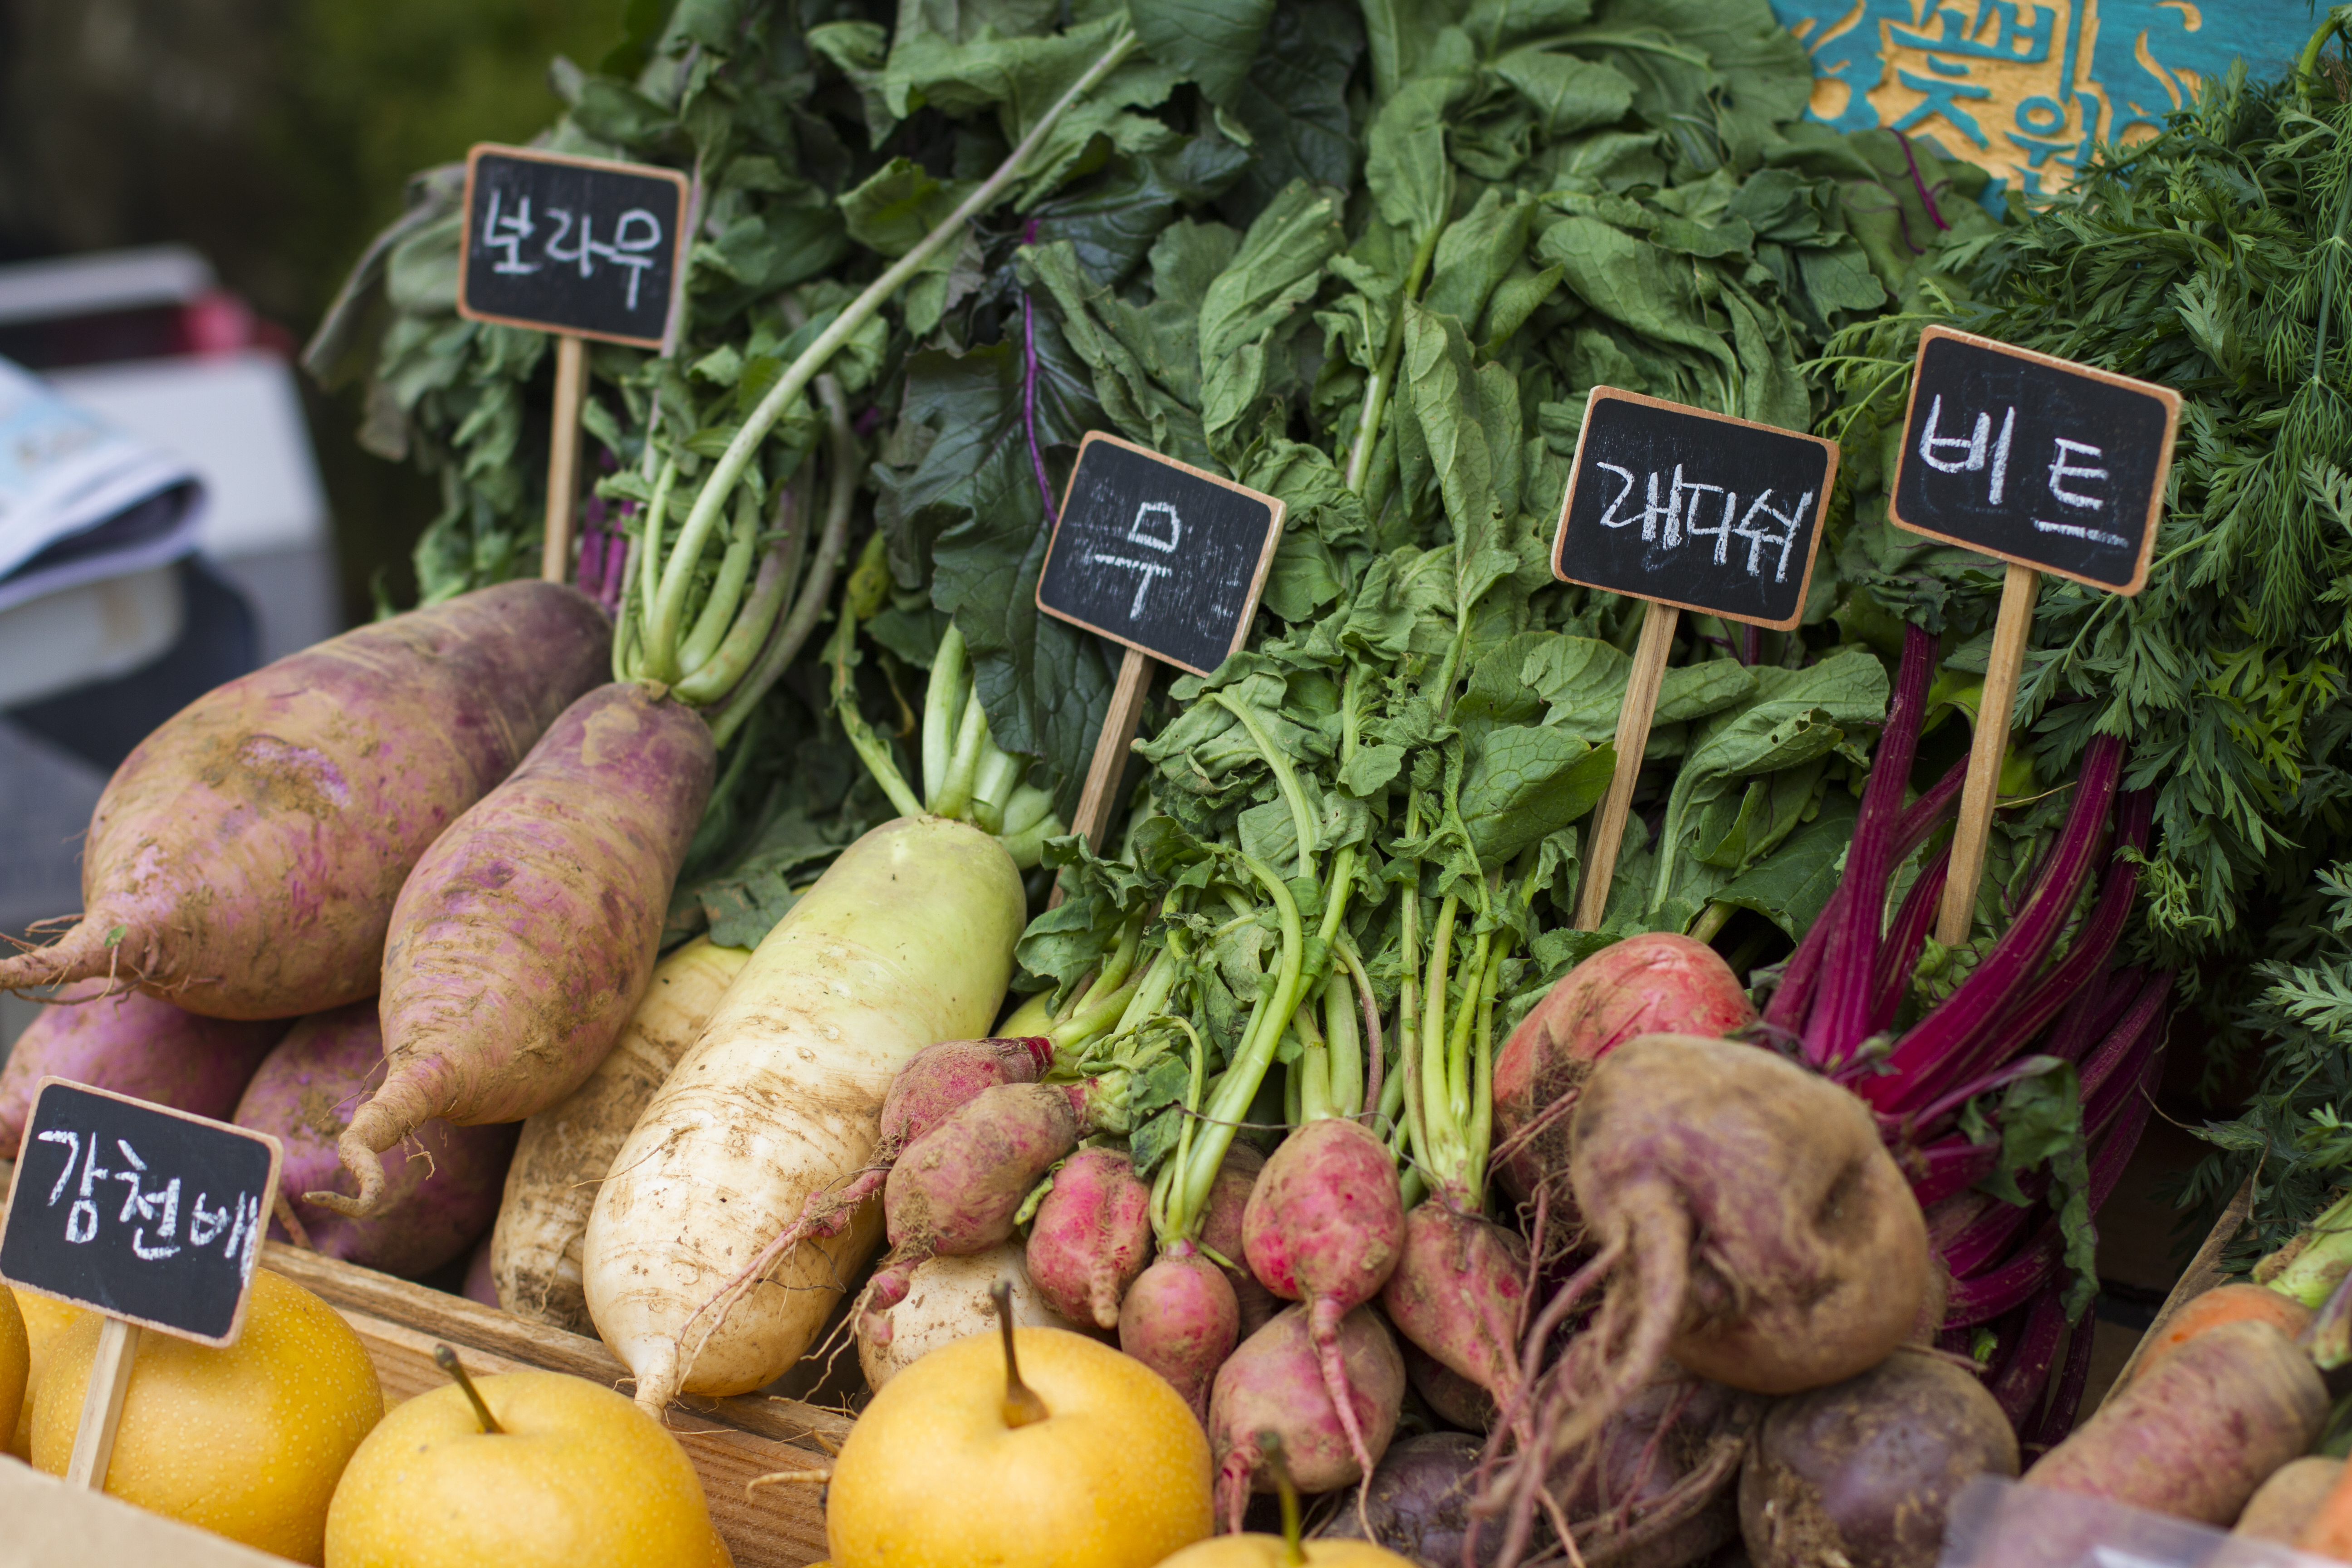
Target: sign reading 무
<point>139,1212</point>
<point>581,246</point>
<point>1696,509</point>
<point>2035,460</point>
<point>1157,554</point>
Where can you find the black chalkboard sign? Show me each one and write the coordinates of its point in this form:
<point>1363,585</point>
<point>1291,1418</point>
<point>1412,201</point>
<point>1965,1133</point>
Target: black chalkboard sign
<point>1696,509</point>
<point>138,1211</point>
<point>1157,554</point>
<point>583,246</point>
<point>2036,460</point>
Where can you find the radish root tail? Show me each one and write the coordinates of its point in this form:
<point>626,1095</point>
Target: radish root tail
<point>1323,1317</point>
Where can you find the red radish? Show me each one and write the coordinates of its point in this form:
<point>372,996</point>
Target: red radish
<point>1459,1292</point>
<point>1274,1382</point>
<point>1221,1233</point>
<point>1324,1225</point>
<point>940,1081</point>
<point>442,1195</point>
<point>1091,1236</point>
<point>1180,1319</point>
<point>244,860</point>
<point>527,935</point>
<point>1659,983</point>
<point>133,1044</point>
<point>957,1187</point>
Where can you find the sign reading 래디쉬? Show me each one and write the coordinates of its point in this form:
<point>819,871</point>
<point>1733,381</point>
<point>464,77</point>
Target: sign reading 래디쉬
<point>1157,554</point>
<point>579,245</point>
<point>139,1212</point>
<point>2036,460</point>
<point>1699,511</point>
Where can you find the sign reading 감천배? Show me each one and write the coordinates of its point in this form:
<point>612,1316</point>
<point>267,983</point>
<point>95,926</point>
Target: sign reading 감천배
<point>583,246</point>
<point>138,1211</point>
<point>1692,509</point>
<point>1157,554</point>
<point>2033,459</point>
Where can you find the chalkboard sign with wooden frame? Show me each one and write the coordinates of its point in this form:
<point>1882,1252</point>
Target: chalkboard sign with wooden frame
<point>2034,460</point>
<point>1699,511</point>
<point>531,253</point>
<point>145,1214</point>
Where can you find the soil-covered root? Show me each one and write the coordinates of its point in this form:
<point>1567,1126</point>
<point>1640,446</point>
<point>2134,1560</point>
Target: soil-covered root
<point>1091,1236</point>
<point>1658,1486</point>
<point>947,1299</point>
<point>1274,1382</point>
<point>1459,1292</point>
<point>1180,1319</point>
<point>1418,1504</point>
<point>2283,1507</point>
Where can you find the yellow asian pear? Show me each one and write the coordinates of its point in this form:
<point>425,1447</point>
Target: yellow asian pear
<point>15,1359</point>
<point>576,1475</point>
<point>247,1441</point>
<point>45,1321</point>
<point>1273,1552</point>
<point>1111,1472</point>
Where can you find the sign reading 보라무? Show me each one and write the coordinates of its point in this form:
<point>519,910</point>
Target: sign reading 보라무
<point>580,246</point>
<point>139,1212</point>
<point>1157,554</point>
<point>2035,460</point>
<point>1696,509</point>
<point>2024,87</point>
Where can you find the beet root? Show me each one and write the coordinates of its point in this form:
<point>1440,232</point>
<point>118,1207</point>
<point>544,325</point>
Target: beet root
<point>1180,1319</point>
<point>1656,1488</point>
<point>1221,1233</point>
<point>957,1187</point>
<point>132,1043</point>
<point>2196,1433</point>
<point>1655,983</point>
<point>1865,1471</point>
<point>1274,1382</point>
<point>1452,1398</point>
<point>1419,1502</point>
<point>438,1200</point>
<point>1091,1236</point>
<point>1457,1292</point>
<point>1324,1225</point>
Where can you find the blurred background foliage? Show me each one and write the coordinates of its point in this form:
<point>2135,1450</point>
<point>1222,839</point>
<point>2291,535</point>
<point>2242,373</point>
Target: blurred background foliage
<point>275,136</point>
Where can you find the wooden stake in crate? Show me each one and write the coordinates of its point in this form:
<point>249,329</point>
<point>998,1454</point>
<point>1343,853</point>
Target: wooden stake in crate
<point>1689,510</point>
<point>1163,557</point>
<point>2052,467</point>
<point>583,247</point>
<point>149,1217</point>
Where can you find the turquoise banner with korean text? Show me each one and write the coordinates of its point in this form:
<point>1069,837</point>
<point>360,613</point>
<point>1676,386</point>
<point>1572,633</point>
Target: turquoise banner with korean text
<point>2023,87</point>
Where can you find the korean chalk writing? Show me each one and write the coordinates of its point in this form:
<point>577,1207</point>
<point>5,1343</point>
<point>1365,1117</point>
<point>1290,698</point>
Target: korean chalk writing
<point>140,1212</point>
<point>579,245</point>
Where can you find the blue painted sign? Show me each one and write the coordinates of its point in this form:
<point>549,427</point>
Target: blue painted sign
<point>2022,88</point>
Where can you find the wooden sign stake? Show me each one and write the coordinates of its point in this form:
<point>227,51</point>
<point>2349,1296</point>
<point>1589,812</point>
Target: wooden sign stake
<point>101,1406</point>
<point>1119,722</point>
<point>563,457</point>
<point>1649,671</point>
<point>2011,632</point>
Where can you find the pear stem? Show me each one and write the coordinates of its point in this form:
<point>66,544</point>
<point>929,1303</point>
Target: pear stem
<point>1269,1446</point>
<point>1022,1407</point>
<point>446,1359</point>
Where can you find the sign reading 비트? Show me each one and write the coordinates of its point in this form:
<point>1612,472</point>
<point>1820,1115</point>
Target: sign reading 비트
<point>139,1212</point>
<point>1157,554</point>
<point>2036,460</point>
<point>580,246</point>
<point>1699,511</point>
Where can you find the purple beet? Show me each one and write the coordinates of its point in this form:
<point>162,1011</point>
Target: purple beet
<point>438,1198</point>
<point>132,1043</point>
<point>1091,1236</point>
<point>1419,1502</point>
<point>1274,1382</point>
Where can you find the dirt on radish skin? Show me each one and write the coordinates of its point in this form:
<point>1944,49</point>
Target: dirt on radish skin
<point>132,1043</point>
<point>1865,1471</point>
<point>947,1300</point>
<point>1658,983</point>
<point>526,936</point>
<point>1457,1292</point>
<point>1091,1236</point>
<point>957,1187</point>
<point>251,849</point>
<point>441,1197</point>
<point>1181,1319</point>
<point>1274,1382</point>
<point>1324,1225</point>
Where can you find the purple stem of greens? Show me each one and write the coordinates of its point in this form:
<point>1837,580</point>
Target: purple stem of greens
<point>1984,1240</point>
<point>592,562</point>
<point>1840,1020</point>
<point>616,561</point>
<point>1943,1044</point>
<point>1905,938</point>
<point>1949,1166</point>
<point>1926,198</point>
<point>2018,1386</point>
<point>2066,1399</point>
